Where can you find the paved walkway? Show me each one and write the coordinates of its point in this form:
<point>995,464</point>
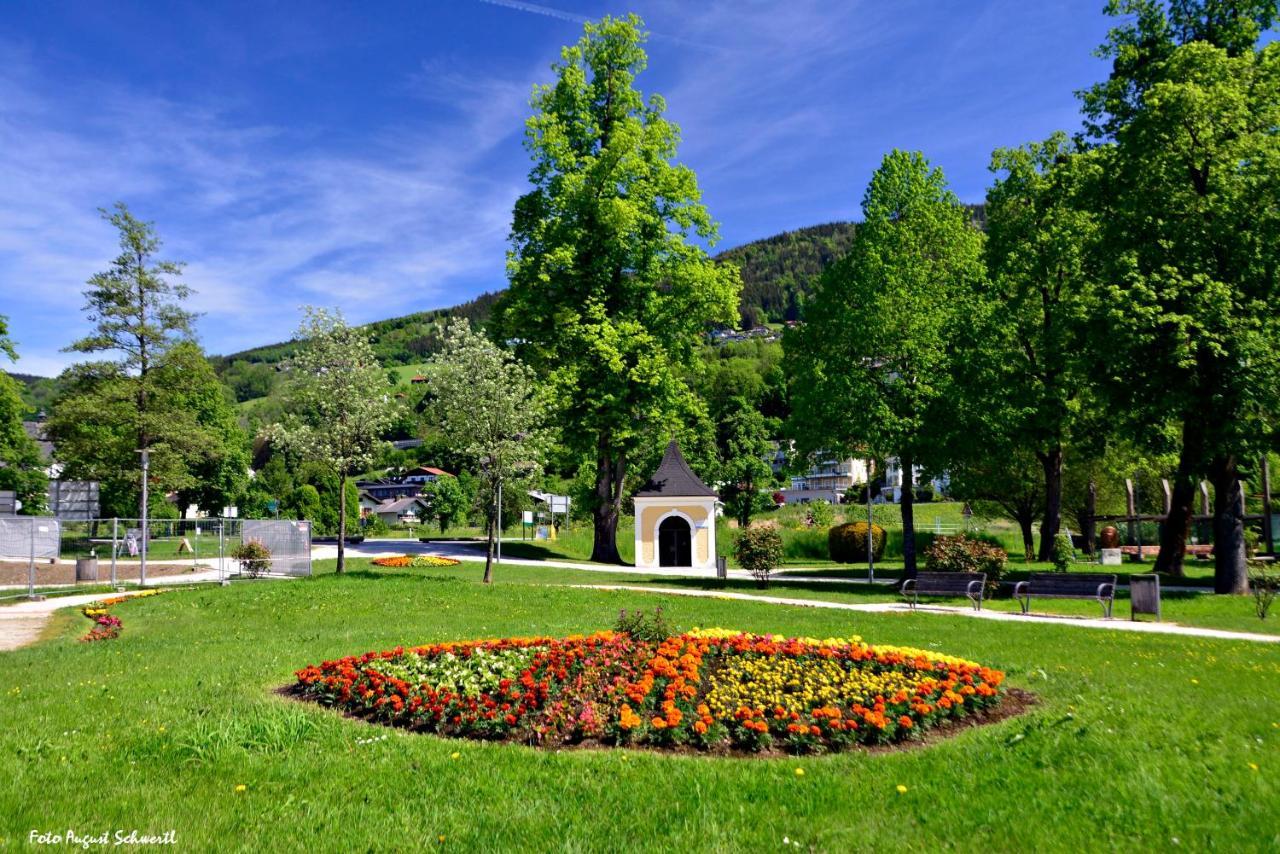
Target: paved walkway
<point>21,624</point>
<point>999,616</point>
<point>472,551</point>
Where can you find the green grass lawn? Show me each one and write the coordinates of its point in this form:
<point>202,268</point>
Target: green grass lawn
<point>1138,741</point>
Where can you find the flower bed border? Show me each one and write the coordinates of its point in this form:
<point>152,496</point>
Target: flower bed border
<point>659,702</point>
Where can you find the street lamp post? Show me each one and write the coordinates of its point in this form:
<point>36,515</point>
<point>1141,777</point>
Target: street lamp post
<point>871,540</point>
<point>146,465</point>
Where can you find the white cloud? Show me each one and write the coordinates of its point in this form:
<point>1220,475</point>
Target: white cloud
<point>269,218</point>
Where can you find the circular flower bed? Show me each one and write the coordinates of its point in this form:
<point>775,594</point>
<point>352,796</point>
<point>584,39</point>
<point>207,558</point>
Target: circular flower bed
<point>414,560</point>
<point>712,689</point>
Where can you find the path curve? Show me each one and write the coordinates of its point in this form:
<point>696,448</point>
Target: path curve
<point>22,622</point>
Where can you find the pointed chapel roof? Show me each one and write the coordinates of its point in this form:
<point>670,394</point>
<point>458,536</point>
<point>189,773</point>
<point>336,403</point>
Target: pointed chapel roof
<point>674,478</point>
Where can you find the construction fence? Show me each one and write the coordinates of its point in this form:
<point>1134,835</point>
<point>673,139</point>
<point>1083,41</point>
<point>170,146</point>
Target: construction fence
<point>39,551</point>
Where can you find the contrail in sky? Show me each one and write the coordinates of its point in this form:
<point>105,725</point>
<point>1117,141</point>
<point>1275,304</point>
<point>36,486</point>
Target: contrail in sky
<point>560,14</point>
<point>536,9</point>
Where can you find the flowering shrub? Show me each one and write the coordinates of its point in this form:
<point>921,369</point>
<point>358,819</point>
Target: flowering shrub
<point>107,626</point>
<point>710,688</point>
<point>414,560</point>
<point>966,554</point>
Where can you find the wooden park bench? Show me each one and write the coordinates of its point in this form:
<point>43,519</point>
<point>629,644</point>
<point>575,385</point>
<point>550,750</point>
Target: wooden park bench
<point>951,584</point>
<point>1067,585</point>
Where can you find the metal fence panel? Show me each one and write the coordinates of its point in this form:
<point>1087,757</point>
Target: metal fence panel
<point>73,499</point>
<point>30,537</point>
<point>289,542</point>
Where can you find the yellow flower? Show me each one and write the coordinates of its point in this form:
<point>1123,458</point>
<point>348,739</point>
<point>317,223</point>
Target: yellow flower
<point>1253,765</point>
<point>1195,681</point>
<point>902,790</point>
<point>241,787</point>
<point>799,772</point>
<point>454,755</point>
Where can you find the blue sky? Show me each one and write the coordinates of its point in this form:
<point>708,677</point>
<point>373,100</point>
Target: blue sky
<point>367,155</point>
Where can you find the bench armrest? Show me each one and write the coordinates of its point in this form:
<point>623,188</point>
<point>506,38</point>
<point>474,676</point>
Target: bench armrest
<point>1106,590</point>
<point>975,586</point>
<point>908,585</point>
<point>1020,588</point>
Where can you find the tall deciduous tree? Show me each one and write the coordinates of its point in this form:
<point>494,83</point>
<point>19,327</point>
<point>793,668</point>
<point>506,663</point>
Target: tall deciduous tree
<point>742,438</point>
<point>21,468</point>
<point>135,306</point>
<point>871,366</point>
<point>1189,117</point>
<point>337,405</point>
<point>197,447</point>
<point>486,406</point>
<point>447,500</point>
<point>610,285</point>
<point>1030,366</point>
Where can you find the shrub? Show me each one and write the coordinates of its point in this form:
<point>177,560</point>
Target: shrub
<point>960,553</point>
<point>847,543</point>
<point>1063,552</point>
<point>643,626</point>
<point>1264,585</point>
<point>804,544</point>
<point>821,514</point>
<point>254,558</point>
<point>778,499</point>
<point>759,551</point>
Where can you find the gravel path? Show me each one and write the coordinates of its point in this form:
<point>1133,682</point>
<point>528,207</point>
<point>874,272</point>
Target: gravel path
<point>21,623</point>
<point>999,616</point>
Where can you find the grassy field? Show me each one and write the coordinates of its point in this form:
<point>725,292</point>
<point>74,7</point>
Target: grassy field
<point>1138,742</point>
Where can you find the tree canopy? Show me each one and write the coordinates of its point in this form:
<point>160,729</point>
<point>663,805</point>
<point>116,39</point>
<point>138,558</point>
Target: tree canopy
<point>610,286</point>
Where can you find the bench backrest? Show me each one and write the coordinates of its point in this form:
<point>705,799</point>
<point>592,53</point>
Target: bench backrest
<point>948,582</point>
<point>1069,583</point>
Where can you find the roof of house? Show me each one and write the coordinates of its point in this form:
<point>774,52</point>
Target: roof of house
<point>35,429</point>
<point>400,506</point>
<point>429,470</point>
<point>674,478</point>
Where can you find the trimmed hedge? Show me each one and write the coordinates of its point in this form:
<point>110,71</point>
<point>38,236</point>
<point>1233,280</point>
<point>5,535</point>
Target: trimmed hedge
<point>847,543</point>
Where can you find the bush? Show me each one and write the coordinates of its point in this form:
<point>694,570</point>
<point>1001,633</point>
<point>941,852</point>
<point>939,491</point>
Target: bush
<point>1063,553</point>
<point>759,551</point>
<point>1264,585</point>
<point>643,626</point>
<point>847,543</point>
<point>960,553</point>
<point>821,514</point>
<point>254,558</point>
<point>804,544</point>
<point>778,499</point>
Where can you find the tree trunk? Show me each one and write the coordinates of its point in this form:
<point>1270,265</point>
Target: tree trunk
<point>610,474</point>
<point>490,523</point>
<point>1230,570</point>
<point>1177,524</point>
<point>908,518</point>
<point>342,522</point>
<point>1049,526</point>
<point>1087,523</point>
<point>1026,523</point>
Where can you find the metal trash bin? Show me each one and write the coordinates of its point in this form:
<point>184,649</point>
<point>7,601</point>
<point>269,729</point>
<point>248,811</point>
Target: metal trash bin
<point>1144,596</point>
<point>722,567</point>
<point>86,569</point>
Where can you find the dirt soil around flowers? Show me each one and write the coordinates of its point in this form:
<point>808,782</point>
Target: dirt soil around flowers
<point>64,571</point>
<point>1014,702</point>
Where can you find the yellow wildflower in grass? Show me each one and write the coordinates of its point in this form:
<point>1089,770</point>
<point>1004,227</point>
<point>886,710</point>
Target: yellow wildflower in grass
<point>241,787</point>
<point>799,772</point>
<point>902,790</point>
<point>454,755</point>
